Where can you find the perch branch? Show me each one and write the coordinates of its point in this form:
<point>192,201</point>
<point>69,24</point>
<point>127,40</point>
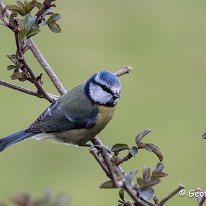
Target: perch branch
<point>130,191</point>
<point>42,61</point>
<point>170,195</point>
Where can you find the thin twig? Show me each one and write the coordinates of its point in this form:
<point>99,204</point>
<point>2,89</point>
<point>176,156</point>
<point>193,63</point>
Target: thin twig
<point>42,61</point>
<point>37,83</point>
<point>124,159</point>
<point>25,90</point>
<point>107,160</point>
<point>200,199</point>
<point>133,195</point>
<point>170,195</point>
<point>101,163</point>
<point>130,191</point>
<point>124,70</point>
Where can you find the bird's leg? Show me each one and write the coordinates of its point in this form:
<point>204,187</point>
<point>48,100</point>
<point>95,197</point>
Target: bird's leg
<point>98,147</point>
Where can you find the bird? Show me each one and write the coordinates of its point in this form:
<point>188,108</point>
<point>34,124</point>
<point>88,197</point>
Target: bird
<point>76,117</point>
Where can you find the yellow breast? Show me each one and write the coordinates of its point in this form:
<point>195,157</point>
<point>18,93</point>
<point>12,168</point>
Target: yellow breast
<point>81,136</point>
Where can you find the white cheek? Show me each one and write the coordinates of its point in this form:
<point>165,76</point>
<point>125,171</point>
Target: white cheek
<point>98,94</point>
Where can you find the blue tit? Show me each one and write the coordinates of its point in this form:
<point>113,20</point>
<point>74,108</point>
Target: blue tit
<point>76,117</point>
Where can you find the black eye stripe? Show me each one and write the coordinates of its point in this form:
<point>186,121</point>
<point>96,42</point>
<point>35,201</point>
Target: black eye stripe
<point>104,87</point>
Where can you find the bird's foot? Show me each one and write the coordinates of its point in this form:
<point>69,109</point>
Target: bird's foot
<point>98,147</point>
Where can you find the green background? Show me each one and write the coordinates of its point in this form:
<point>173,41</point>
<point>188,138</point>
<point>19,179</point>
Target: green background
<point>165,43</point>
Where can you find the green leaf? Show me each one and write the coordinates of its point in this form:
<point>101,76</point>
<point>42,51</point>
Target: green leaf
<point>107,185</point>
<point>15,8</point>
<point>13,15</point>
<point>119,147</point>
<point>28,21</point>
<point>29,6</point>
<point>22,34</point>
<point>121,194</point>
<point>19,74</point>
<point>158,172</point>
<point>155,149</point>
<point>146,194</point>
<point>133,151</point>
<point>150,183</point>
<point>16,75</point>
<point>13,58</point>
<point>131,175</point>
<point>140,136</point>
<point>39,5</point>
<point>43,22</point>
<point>54,17</point>
<point>145,174</point>
<point>11,67</point>
<point>21,7</point>
<point>31,33</point>
<point>54,27</point>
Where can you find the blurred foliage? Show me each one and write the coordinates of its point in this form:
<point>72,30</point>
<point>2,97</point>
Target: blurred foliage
<point>25,199</point>
<point>164,41</point>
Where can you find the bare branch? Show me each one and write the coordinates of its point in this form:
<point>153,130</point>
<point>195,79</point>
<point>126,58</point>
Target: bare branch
<point>130,191</point>
<point>101,163</point>
<point>37,83</point>
<point>24,90</point>
<point>170,195</point>
<point>40,58</point>
<point>124,70</point>
<point>200,199</point>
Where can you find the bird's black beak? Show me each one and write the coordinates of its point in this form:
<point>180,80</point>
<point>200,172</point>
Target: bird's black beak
<point>116,95</point>
<point>204,136</point>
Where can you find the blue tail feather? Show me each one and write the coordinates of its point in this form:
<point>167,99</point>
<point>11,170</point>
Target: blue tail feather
<point>14,138</point>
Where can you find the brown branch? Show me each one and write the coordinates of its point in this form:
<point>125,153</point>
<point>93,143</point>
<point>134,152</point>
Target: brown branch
<point>24,90</point>
<point>170,195</point>
<point>124,70</point>
<point>101,163</point>
<point>37,83</point>
<point>40,58</point>
<point>200,199</point>
<point>45,6</point>
<point>124,159</point>
<point>132,193</point>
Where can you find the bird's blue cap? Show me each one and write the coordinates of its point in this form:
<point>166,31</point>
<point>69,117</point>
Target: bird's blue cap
<point>108,77</point>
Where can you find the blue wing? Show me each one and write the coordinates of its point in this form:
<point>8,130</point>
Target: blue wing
<point>57,119</point>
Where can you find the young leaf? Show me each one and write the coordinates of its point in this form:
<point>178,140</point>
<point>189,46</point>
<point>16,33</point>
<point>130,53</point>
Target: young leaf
<point>21,7</point>
<point>155,149</point>
<point>11,67</point>
<point>31,33</point>
<point>29,6</point>
<point>28,21</point>
<point>13,58</point>
<point>107,185</point>
<point>140,136</point>
<point>121,194</point>
<point>54,27</point>
<point>13,15</point>
<point>147,193</point>
<point>54,17</point>
<point>17,75</point>
<point>133,151</point>
<point>146,174</point>
<point>39,5</point>
<point>119,147</point>
<point>131,175</point>
<point>15,8</point>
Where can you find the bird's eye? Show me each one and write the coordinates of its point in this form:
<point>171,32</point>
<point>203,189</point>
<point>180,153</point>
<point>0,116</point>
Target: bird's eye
<point>104,87</point>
